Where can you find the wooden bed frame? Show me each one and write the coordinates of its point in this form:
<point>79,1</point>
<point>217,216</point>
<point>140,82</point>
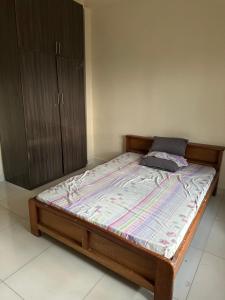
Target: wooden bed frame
<point>139,265</point>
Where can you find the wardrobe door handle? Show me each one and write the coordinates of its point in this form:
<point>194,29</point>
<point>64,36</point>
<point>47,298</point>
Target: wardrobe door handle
<point>62,98</point>
<point>58,99</point>
<point>56,47</point>
<point>59,47</point>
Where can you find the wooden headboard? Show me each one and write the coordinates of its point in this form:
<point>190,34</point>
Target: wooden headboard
<point>209,155</point>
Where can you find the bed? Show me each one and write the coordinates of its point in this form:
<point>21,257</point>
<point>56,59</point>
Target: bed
<point>134,220</point>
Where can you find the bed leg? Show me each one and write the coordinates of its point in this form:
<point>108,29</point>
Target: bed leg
<point>215,188</point>
<point>164,281</point>
<point>33,218</point>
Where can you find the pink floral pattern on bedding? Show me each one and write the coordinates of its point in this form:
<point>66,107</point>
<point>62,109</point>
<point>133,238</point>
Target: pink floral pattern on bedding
<point>149,207</point>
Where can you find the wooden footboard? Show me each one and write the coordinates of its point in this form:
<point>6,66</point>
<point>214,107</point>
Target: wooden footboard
<point>143,267</point>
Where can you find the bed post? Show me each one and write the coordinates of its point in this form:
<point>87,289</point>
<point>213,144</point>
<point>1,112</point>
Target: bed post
<point>215,188</point>
<point>164,281</point>
<point>218,167</point>
<point>33,218</point>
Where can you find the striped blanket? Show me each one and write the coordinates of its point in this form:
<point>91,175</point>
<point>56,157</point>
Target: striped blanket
<point>150,207</point>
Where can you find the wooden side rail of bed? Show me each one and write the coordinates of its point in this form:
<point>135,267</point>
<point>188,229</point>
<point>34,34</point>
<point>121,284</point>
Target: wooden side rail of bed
<point>141,266</point>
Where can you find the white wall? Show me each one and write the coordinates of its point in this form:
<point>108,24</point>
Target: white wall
<point>89,99</point>
<point>158,69</point>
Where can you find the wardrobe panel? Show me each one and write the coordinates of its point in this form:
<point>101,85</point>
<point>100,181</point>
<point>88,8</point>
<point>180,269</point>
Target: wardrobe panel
<point>72,110</point>
<point>12,127</point>
<point>39,83</point>
<point>38,24</point>
<point>71,30</point>
<point>43,136</point>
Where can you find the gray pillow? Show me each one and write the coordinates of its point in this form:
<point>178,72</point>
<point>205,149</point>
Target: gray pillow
<point>159,163</point>
<point>175,146</point>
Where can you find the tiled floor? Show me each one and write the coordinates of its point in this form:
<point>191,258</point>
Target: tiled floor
<point>39,268</point>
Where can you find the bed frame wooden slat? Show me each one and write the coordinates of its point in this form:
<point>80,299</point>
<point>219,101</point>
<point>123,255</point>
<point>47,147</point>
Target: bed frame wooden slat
<point>137,264</point>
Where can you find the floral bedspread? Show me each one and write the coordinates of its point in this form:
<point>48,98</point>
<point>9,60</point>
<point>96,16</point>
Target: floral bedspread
<point>150,207</point>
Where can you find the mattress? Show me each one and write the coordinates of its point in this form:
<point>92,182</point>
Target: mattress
<point>149,207</point>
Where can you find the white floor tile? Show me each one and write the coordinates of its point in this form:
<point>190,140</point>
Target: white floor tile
<point>7,294</point>
<point>7,218</point>
<point>202,234</point>
<point>214,205</point>
<point>113,287</point>
<point>186,273</point>
<point>221,212</point>
<point>7,189</point>
<point>15,198</point>
<point>17,247</point>
<point>216,241</point>
<point>58,274</point>
<point>209,279</point>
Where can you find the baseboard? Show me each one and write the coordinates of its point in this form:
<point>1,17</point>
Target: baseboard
<point>2,178</point>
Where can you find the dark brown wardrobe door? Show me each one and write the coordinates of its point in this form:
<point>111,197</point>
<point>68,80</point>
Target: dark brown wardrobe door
<point>12,129</point>
<point>39,83</point>
<point>71,29</point>
<point>72,111</point>
<point>37,24</point>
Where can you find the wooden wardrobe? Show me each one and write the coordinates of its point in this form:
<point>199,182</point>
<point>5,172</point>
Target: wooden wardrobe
<point>42,95</point>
